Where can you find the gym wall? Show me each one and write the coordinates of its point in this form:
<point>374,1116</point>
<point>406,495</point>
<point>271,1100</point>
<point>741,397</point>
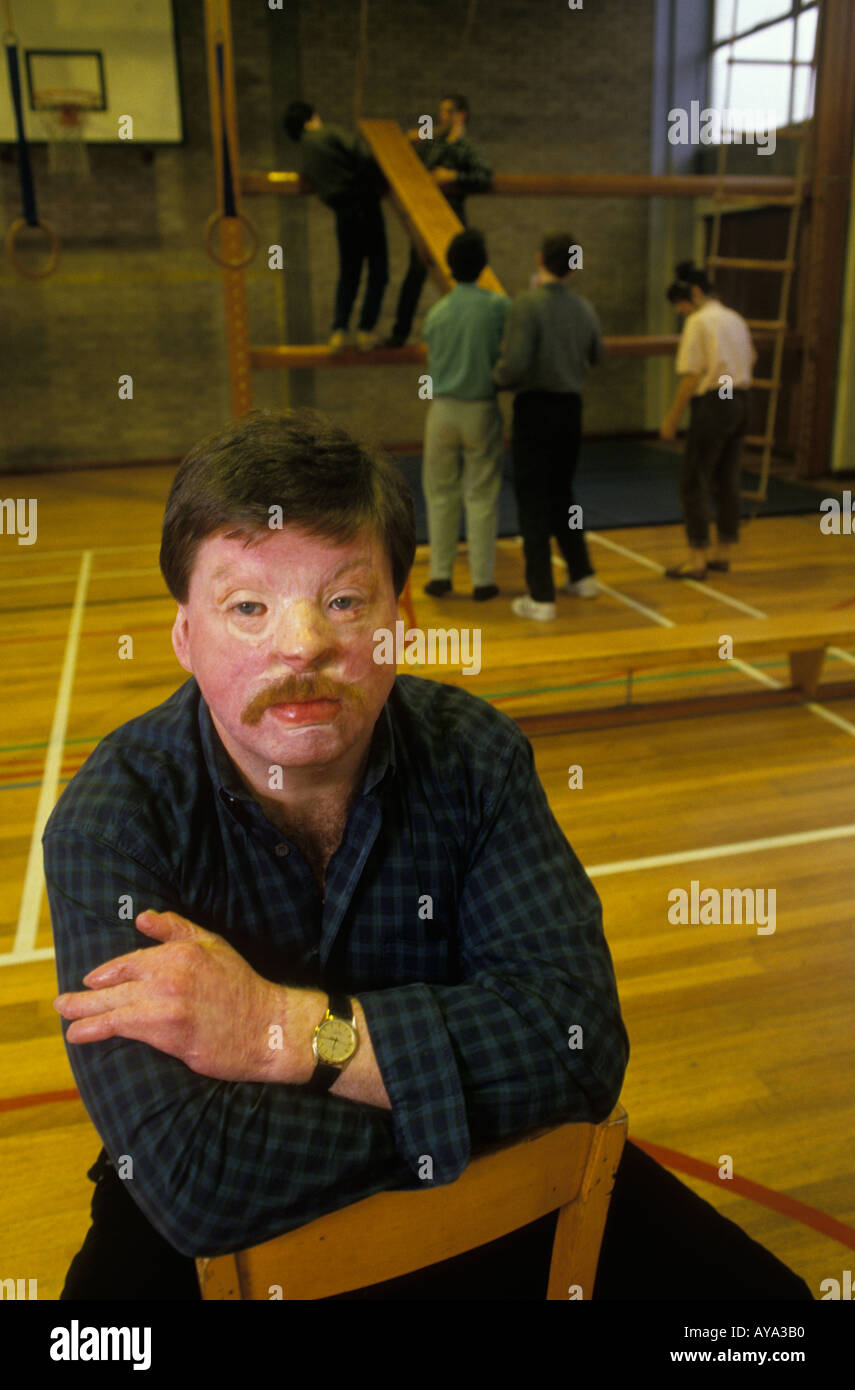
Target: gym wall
<point>550,89</point>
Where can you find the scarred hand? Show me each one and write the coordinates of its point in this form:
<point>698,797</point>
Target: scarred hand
<point>193,997</point>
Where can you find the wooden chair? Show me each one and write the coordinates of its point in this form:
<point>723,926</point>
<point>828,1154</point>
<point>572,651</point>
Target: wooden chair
<point>570,1167</point>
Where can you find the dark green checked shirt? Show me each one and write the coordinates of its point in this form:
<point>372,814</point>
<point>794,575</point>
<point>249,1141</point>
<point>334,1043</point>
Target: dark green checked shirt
<point>474,174</point>
<point>454,908</point>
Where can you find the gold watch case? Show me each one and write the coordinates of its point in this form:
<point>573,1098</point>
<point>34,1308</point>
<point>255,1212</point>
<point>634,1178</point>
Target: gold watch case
<point>334,1041</point>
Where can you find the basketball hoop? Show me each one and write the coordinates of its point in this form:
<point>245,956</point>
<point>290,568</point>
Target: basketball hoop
<point>64,112</point>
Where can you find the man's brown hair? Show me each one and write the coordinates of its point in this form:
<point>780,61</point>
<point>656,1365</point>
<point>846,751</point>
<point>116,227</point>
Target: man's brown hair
<point>325,481</point>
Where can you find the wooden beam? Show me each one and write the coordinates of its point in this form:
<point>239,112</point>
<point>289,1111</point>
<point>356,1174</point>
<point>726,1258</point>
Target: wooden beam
<point>416,197</point>
<point>286,184</point>
<point>319,355</point>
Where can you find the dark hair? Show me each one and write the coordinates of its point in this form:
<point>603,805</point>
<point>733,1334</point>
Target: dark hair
<point>555,252</point>
<point>296,116</point>
<point>460,102</point>
<point>687,275</point>
<point>467,255</point>
<point>325,481</point>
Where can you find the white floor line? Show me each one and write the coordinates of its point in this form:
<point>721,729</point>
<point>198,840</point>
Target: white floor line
<point>659,861</point>
<point>756,674</point>
<point>841,654</point>
<point>27,957</point>
<point>702,588</point>
<point>633,603</point>
<point>31,897</point>
<point>621,598</point>
<point>832,718</point>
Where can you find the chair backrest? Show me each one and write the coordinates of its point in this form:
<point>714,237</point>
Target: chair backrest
<point>570,1167</point>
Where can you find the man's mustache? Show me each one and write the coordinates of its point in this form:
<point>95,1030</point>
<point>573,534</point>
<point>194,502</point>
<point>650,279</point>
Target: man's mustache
<point>290,689</point>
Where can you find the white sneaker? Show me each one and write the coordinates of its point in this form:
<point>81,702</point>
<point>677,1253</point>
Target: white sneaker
<point>583,588</point>
<point>526,607</point>
<point>338,340</point>
<point>366,342</point>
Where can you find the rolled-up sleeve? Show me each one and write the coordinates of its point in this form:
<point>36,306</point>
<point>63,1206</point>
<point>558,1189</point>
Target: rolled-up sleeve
<point>533,1033</point>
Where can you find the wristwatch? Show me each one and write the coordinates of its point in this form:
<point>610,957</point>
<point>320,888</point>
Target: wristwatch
<point>334,1042</point>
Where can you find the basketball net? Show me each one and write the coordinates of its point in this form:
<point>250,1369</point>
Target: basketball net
<point>63,116</point>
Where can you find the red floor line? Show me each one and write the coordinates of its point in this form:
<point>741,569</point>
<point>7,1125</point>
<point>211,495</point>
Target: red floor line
<point>40,1098</point>
<point>754,1191</point>
<point>670,1158</point>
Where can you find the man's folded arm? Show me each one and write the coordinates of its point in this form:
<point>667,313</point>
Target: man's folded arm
<point>216,1165</point>
<point>533,1034</point>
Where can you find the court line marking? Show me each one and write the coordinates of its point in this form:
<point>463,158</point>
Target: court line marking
<point>687,856</point>
<point>31,897</point>
<point>779,1202</point>
<point>819,710</point>
<point>704,588</point>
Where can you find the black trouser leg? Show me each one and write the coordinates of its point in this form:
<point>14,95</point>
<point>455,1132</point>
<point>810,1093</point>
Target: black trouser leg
<point>408,299</point>
<point>546,437</point>
<point>375,251</point>
<point>349,233</point>
<point>661,1241</point>
<point>726,474</point>
<point>123,1256</point>
<point>568,438</point>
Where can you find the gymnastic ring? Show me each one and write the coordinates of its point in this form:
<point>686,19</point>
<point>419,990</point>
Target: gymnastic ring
<point>214,221</point>
<point>12,251</point>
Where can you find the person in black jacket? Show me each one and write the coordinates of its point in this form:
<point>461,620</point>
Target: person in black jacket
<point>343,173</point>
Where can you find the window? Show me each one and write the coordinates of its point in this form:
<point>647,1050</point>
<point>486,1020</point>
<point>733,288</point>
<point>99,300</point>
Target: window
<point>762,60</point>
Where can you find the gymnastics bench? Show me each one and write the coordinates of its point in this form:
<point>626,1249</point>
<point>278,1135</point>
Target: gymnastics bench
<point>570,1167</point>
<point>417,199</point>
<point>532,659</point>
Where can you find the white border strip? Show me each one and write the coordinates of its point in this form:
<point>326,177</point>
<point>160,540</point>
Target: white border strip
<point>31,897</point>
<point>659,861</point>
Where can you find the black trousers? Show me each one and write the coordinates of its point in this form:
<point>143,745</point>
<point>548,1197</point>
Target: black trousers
<point>414,281</point>
<point>361,233</point>
<point>661,1241</point>
<point>547,433</point>
<point>709,477</point>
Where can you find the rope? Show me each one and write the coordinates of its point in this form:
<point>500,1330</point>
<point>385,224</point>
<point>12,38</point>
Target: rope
<point>30,216</point>
<point>230,207</point>
<point>25,173</point>
<point>359,79</point>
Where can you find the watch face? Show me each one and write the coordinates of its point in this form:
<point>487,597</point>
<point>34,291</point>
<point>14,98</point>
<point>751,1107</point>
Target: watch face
<point>336,1041</point>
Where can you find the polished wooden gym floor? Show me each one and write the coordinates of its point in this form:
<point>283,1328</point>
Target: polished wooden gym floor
<point>742,1044</point>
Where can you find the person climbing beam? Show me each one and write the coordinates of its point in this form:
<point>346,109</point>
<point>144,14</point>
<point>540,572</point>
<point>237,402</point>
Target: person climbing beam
<point>344,175</point>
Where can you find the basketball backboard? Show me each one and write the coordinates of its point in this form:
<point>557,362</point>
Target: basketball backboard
<point>123,55</point>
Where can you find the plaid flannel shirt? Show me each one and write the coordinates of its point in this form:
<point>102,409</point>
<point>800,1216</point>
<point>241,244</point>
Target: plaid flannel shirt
<point>454,909</point>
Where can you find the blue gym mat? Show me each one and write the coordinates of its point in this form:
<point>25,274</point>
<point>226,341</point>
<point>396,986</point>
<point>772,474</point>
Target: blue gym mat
<point>623,484</point>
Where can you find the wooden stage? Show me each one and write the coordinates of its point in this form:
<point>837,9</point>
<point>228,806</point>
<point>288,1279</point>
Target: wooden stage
<point>742,1044</point>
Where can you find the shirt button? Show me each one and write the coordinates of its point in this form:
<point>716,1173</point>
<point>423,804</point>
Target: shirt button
<point>282,850</point>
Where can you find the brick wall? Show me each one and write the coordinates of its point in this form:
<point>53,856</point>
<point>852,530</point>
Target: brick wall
<point>551,89</point>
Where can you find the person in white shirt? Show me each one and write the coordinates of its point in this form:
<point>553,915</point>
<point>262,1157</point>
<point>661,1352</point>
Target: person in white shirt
<point>715,359</point>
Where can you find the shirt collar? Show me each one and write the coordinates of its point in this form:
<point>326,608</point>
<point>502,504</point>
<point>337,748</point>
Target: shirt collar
<point>226,779</point>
